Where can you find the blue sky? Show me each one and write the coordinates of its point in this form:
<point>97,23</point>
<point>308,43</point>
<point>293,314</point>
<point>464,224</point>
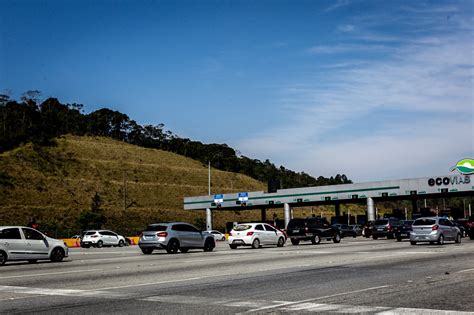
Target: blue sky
<point>373,89</point>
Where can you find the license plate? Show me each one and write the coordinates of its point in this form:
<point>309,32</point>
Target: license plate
<point>379,229</point>
<point>237,242</point>
<point>404,234</point>
<point>296,231</point>
<point>148,237</point>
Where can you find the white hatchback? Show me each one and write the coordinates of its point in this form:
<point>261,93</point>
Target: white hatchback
<point>24,243</point>
<point>99,238</point>
<point>255,235</point>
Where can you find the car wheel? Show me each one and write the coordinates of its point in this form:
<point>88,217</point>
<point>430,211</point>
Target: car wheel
<point>85,246</point>
<point>99,244</point>
<point>255,243</point>
<point>458,239</point>
<point>412,242</point>
<point>441,240</point>
<point>121,243</point>
<point>32,261</point>
<point>147,251</point>
<point>315,239</point>
<point>173,246</point>
<point>336,238</point>
<point>295,241</point>
<point>57,255</point>
<point>399,239</point>
<point>223,238</point>
<point>3,258</point>
<point>184,250</point>
<point>232,246</point>
<point>281,242</point>
<point>375,237</point>
<point>209,245</point>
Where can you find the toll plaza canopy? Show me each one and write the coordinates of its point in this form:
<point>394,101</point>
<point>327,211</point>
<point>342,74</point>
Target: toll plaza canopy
<point>428,187</point>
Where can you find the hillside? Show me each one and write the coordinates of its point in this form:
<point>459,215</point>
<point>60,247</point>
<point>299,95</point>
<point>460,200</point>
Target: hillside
<point>55,183</point>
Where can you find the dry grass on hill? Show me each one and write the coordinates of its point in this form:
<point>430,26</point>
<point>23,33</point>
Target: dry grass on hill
<point>55,183</point>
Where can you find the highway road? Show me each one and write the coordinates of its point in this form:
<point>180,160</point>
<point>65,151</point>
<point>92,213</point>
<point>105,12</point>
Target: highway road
<point>356,276</point>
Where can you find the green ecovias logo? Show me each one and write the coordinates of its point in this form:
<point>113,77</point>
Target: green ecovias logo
<point>465,167</point>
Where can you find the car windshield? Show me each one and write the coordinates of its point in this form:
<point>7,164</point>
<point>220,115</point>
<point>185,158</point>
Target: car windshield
<point>407,223</point>
<point>381,222</point>
<point>242,227</point>
<point>424,222</point>
<point>154,228</point>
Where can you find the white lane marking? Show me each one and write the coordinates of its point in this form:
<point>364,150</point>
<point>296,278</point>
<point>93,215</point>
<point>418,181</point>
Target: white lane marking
<point>153,283</point>
<point>318,298</point>
<point>465,270</point>
<point>19,298</point>
<point>360,309</point>
<point>291,307</point>
<point>61,292</point>
<point>50,274</point>
<point>209,277</point>
<point>102,253</point>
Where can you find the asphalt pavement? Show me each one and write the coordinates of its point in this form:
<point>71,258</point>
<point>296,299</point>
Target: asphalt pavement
<point>356,276</point>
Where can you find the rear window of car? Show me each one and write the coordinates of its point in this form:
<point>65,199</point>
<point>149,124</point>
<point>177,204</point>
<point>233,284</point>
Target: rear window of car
<point>296,222</point>
<point>381,222</point>
<point>424,222</point>
<point>242,227</point>
<point>154,228</point>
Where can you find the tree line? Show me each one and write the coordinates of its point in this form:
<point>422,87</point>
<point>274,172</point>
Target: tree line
<point>31,120</point>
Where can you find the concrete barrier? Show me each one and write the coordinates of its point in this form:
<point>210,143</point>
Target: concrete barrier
<point>75,242</point>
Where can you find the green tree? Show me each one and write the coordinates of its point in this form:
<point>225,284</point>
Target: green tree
<point>94,217</point>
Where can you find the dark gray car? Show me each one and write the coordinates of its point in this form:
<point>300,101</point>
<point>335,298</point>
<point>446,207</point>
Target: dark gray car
<point>175,236</point>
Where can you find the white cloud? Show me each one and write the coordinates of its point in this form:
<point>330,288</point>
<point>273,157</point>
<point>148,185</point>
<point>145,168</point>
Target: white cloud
<point>418,82</point>
<point>337,5</point>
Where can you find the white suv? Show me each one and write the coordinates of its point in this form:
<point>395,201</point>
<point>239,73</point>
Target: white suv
<point>24,243</point>
<point>99,238</point>
<point>255,235</point>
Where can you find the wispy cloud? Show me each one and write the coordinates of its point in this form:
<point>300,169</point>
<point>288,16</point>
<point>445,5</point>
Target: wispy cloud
<point>337,5</point>
<point>344,48</point>
<point>419,82</point>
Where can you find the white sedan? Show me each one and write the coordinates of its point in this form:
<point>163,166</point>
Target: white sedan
<point>255,235</point>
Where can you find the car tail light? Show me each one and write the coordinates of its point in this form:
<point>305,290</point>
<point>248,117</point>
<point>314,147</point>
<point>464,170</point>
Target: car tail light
<point>469,223</point>
<point>162,234</point>
<point>434,227</point>
<point>230,233</point>
<point>389,227</point>
<point>249,233</point>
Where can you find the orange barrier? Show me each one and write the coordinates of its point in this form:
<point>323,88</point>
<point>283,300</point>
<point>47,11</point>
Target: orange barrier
<point>75,242</point>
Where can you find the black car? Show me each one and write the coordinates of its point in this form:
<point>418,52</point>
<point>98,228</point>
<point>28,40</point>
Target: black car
<point>312,229</point>
<point>346,230</point>
<point>367,230</point>
<point>403,230</point>
<point>385,228</point>
<point>462,224</point>
<point>470,227</point>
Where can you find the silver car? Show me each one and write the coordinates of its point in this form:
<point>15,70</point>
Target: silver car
<point>173,237</point>
<point>24,243</point>
<point>434,229</point>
